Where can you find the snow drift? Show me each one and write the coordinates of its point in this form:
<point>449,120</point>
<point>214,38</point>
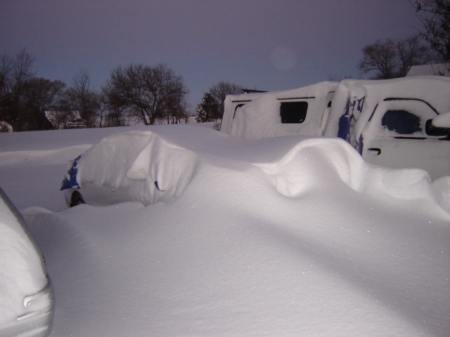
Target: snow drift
<point>288,236</point>
<point>305,166</point>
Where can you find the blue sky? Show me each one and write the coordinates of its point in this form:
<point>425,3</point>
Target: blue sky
<point>263,44</point>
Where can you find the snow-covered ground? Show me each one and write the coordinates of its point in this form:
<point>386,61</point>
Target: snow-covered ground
<point>286,236</point>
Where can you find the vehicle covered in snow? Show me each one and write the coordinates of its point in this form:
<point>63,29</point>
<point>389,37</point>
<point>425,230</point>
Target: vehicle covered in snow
<point>301,111</point>
<point>26,295</point>
<point>161,165</point>
<point>131,166</point>
<point>399,123</point>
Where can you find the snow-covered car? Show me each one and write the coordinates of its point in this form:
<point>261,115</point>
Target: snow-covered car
<point>26,294</point>
<point>132,166</point>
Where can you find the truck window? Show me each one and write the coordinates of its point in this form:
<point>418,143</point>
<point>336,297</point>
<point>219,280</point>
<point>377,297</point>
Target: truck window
<point>293,112</point>
<point>401,121</point>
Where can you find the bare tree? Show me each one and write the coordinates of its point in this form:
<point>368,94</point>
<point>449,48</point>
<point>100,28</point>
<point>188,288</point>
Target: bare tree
<point>5,89</point>
<point>39,94</point>
<point>22,65</point>
<point>102,108</point>
<point>14,72</point>
<point>82,98</point>
<point>116,116</point>
<point>411,52</point>
<point>220,90</point>
<point>393,58</point>
<point>6,66</point>
<point>379,58</point>
<point>148,92</point>
<point>435,17</point>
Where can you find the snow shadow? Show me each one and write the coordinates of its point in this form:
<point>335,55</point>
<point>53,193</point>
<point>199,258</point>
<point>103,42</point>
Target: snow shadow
<point>414,304</point>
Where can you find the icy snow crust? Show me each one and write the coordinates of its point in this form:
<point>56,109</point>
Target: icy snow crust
<point>288,236</point>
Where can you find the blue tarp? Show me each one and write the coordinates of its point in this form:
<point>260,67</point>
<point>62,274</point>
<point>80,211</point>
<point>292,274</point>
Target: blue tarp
<point>345,121</point>
<point>70,180</point>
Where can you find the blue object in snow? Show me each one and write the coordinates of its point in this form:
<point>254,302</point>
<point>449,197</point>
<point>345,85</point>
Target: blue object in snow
<point>70,180</point>
<point>344,123</point>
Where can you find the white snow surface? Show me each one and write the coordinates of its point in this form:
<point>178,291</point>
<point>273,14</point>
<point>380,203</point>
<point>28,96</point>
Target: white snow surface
<point>285,236</point>
<point>442,121</point>
<point>259,118</point>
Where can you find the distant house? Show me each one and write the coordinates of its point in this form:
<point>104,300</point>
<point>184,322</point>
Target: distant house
<point>438,69</point>
<point>66,119</point>
<point>5,127</point>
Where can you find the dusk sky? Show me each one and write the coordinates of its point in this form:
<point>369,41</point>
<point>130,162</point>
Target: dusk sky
<point>267,45</point>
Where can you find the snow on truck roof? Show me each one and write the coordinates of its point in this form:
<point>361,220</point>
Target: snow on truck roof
<point>302,92</point>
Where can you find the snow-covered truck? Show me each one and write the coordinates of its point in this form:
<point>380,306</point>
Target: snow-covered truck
<point>399,123</point>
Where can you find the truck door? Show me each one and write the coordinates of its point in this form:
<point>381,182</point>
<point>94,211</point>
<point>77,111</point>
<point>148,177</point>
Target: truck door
<point>396,136</point>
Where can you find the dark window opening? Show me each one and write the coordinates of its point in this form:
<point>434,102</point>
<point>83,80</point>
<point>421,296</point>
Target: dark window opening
<point>293,112</point>
<point>401,121</point>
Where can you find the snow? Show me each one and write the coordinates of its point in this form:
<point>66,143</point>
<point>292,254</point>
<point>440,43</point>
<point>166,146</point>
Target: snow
<point>259,119</point>
<point>440,69</point>
<point>287,236</point>
<point>442,120</point>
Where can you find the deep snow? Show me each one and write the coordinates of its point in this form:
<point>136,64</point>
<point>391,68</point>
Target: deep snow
<point>282,236</point>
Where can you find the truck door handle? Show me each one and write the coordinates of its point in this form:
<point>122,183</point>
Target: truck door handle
<point>375,149</point>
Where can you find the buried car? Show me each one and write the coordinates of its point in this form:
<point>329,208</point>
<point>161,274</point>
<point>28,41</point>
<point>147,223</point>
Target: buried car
<point>26,295</point>
<point>158,166</point>
<point>145,168</point>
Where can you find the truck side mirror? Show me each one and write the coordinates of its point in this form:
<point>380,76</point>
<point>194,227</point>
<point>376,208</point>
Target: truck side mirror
<point>439,126</point>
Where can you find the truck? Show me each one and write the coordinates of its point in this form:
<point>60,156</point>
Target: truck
<point>398,123</point>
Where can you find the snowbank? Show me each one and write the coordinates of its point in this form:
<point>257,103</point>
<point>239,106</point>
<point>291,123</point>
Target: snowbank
<point>284,237</point>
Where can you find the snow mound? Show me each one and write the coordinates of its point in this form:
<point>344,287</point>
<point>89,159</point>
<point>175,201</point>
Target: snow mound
<point>442,121</point>
<point>139,164</point>
<point>338,247</point>
<point>313,163</point>
<point>310,163</point>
